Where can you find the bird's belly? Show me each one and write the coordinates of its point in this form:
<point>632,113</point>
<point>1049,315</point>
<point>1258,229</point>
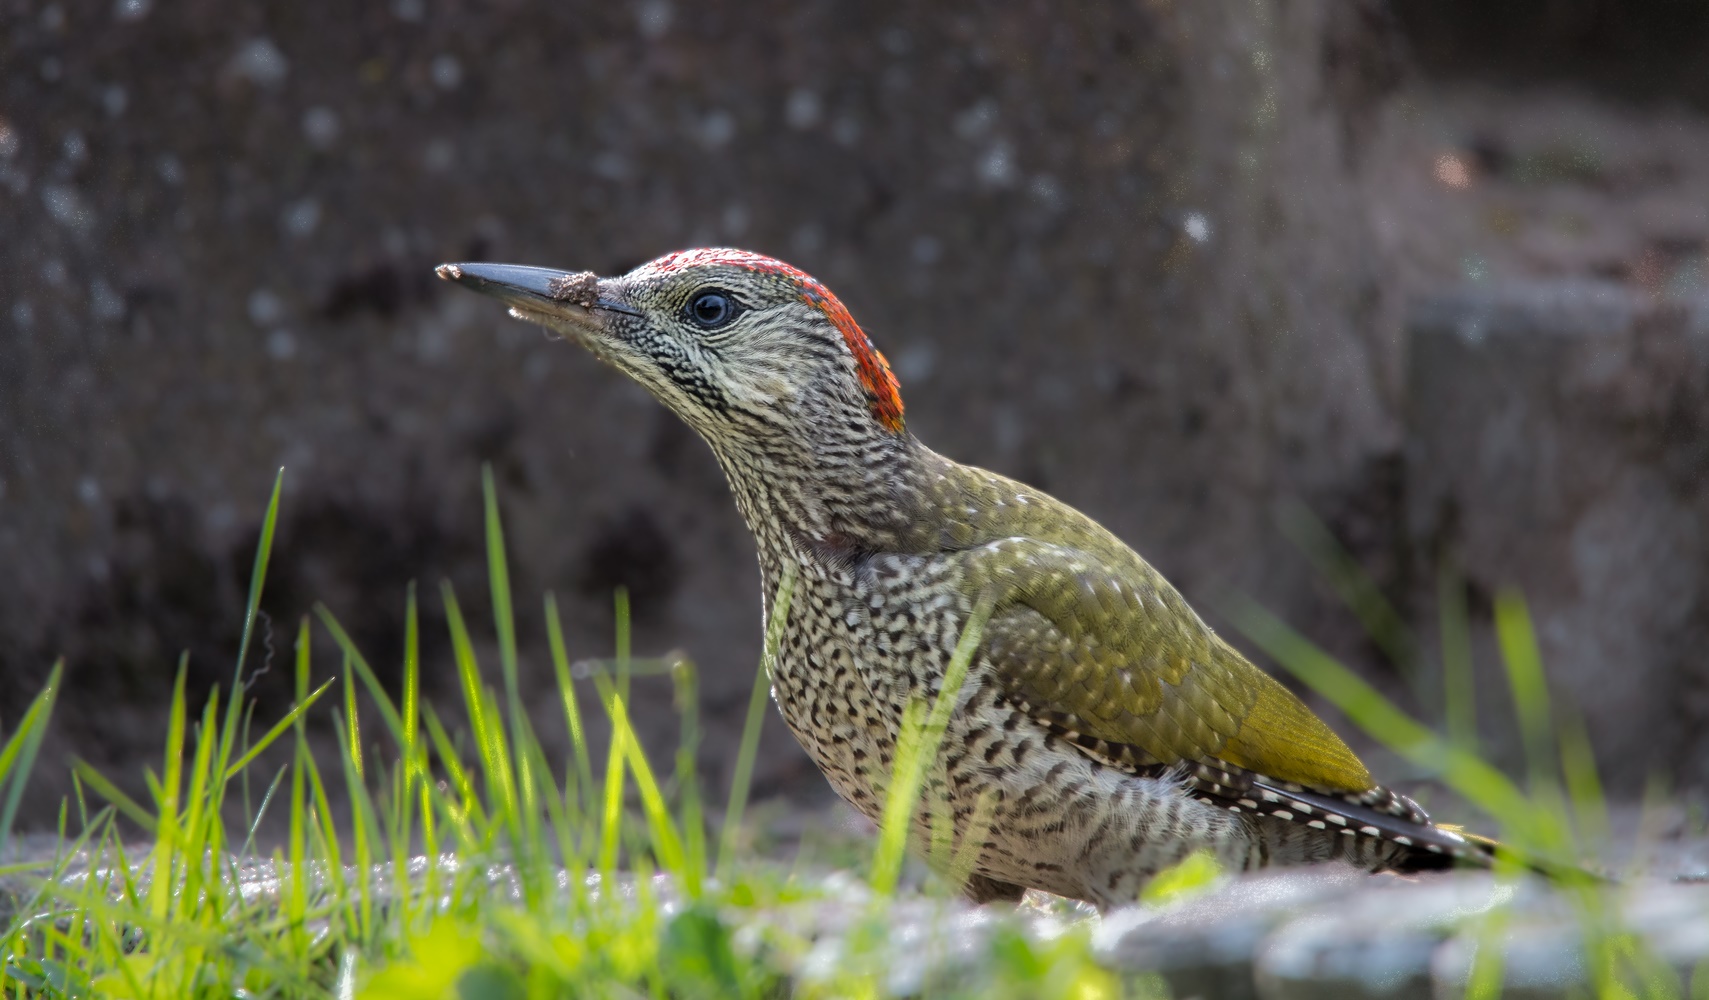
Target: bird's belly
<point>820,691</point>
<point>1041,814</point>
<point>859,646</point>
<point>1062,822</point>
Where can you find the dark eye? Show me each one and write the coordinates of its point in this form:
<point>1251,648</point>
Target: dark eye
<point>712,309</point>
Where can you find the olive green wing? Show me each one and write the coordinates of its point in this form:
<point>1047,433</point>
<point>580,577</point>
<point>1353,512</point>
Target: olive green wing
<point>1114,653</point>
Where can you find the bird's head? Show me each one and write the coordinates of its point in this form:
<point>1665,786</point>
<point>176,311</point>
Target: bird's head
<point>741,346</point>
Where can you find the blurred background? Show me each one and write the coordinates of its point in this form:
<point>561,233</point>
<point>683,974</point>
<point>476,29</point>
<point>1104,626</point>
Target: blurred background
<point>1430,272</point>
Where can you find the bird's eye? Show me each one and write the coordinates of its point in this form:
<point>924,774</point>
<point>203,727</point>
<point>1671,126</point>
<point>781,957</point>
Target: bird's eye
<point>712,309</point>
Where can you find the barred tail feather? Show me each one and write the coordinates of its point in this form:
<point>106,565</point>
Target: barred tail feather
<point>1376,813</point>
<point>1396,820</point>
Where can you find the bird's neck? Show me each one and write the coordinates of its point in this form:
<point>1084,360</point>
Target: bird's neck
<point>833,495</point>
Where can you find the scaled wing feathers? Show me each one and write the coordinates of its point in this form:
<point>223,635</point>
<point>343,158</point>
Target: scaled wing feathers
<point>1122,659</point>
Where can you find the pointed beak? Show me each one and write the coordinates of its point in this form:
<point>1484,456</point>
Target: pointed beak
<point>538,294</point>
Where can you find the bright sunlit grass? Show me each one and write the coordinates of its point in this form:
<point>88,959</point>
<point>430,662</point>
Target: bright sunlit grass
<point>462,861</point>
<point>444,857</point>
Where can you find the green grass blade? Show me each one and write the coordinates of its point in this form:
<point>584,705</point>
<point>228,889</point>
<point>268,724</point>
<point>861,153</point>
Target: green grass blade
<point>257,575</point>
<point>18,756</point>
<point>166,803</point>
<point>1524,665</point>
<point>412,767</point>
<point>901,800</point>
<point>196,839</point>
<point>468,675</point>
<point>1382,622</point>
<point>364,831</point>
<point>498,578</point>
<point>467,813</point>
<point>289,720</point>
<point>667,840</point>
<point>916,753</point>
<point>1459,690</point>
<point>235,721</point>
<point>1584,784</point>
<point>518,762</point>
<point>746,754</point>
<point>322,825</point>
<point>352,742</point>
<point>98,782</point>
<point>412,749</point>
<point>300,674</point>
<point>611,813</point>
<point>261,811</point>
<point>235,716</point>
<point>624,662</point>
<point>500,773</point>
<point>583,801</point>
<point>686,694</point>
<point>1525,677</point>
<point>536,790</point>
<point>966,854</point>
<point>355,660</point>
<point>295,894</point>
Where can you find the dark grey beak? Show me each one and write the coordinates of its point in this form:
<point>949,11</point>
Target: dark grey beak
<point>536,291</point>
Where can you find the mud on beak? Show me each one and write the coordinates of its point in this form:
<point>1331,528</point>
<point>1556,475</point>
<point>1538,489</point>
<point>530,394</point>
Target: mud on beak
<point>539,294</point>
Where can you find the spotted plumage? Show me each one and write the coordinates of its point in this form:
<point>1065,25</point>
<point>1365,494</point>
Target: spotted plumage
<point>1103,731</point>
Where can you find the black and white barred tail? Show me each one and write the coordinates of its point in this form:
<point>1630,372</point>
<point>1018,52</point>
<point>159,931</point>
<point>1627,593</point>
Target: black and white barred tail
<point>1377,812</point>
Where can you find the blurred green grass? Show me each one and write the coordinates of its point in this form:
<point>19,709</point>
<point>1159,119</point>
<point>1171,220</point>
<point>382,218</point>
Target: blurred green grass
<point>1556,823</point>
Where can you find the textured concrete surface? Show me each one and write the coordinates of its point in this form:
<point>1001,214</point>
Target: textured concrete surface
<point>1559,443</point>
<point>1315,934</point>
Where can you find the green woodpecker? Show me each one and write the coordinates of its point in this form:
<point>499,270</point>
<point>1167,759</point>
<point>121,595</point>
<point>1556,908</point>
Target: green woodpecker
<point>1103,731</point>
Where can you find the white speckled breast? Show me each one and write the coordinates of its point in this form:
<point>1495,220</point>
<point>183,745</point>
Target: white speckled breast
<point>862,640</point>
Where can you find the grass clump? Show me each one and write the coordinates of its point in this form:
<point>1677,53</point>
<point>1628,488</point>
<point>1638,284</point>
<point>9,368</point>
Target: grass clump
<point>455,857</point>
<point>442,857</point>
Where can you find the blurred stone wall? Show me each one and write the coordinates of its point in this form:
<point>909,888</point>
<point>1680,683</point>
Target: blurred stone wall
<point>1560,443</point>
<point>1118,251</point>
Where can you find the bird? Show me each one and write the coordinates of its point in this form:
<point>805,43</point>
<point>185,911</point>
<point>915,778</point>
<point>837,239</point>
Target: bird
<point>1103,731</point>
